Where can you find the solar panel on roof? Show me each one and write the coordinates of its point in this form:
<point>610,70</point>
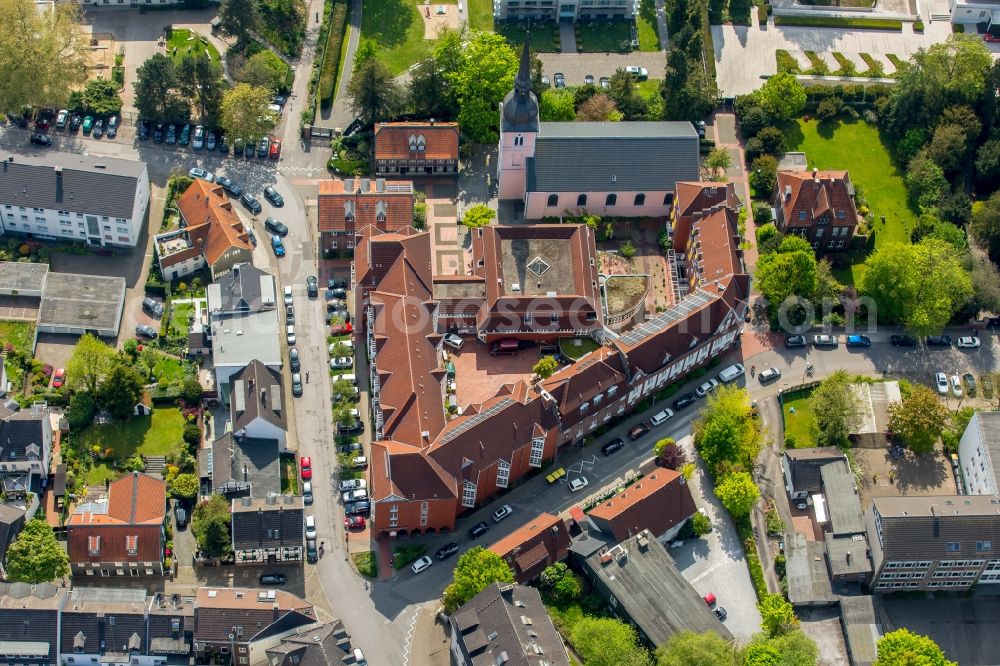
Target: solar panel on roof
<point>681,310</point>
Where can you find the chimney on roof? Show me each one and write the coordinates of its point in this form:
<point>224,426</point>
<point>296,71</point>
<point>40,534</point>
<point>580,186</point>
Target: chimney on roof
<point>432,122</point>
<point>788,192</point>
<point>848,557</point>
<point>263,397</point>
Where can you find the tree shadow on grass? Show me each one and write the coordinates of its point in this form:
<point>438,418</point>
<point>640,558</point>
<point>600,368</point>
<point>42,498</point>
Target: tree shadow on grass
<point>388,22</point>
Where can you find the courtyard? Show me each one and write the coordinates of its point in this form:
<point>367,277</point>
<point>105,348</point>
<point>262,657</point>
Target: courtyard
<point>479,374</point>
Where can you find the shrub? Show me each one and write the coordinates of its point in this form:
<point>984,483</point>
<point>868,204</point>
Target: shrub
<point>847,67</point>
<point>786,62</point>
<point>192,434</point>
<point>331,54</point>
<point>700,524</point>
<point>761,212</point>
<point>829,108</point>
<point>366,563</point>
<point>839,22</point>
<point>627,250</point>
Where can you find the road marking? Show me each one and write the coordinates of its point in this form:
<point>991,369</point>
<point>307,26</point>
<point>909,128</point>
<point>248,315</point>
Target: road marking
<point>409,637</point>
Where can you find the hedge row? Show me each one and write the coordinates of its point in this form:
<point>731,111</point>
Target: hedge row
<point>331,55</point>
<point>745,532</point>
<point>839,22</point>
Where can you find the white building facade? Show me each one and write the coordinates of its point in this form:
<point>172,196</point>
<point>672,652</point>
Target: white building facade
<point>979,454</point>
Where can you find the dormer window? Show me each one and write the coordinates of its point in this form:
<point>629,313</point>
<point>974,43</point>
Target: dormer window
<point>421,143</point>
<point>94,546</point>
<point>413,142</point>
<point>380,211</point>
<point>349,211</point>
<point>132,544</point>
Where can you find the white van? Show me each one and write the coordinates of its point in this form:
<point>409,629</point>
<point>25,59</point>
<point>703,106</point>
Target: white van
<point>732,373</point>
<point>359,658</point>
<point>347,378</point>
<point>661,417</point>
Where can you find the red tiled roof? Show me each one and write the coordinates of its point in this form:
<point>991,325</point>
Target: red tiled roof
<point>720,244</point>
<point>580,381</point>
<point>387,205</point>
<point>212,224</point>
<point>532,547</point>
<point>815,193</point>
<point>130,529</point>
<point>657,502</point>
<point>393,141</point>
<point>696,197</point>
<point>401,470</point>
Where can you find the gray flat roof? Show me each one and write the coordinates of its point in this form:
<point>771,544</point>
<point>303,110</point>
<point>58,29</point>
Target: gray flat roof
<point>82,301</point>
<point>848,555</point>
<point>21,277</point>
<point>805,570</point>
<point>858,615</point>
<point>648,586</point>
<point>612,130</point>
<point>78,183</point>
<point>842,499</point>
<point>240,339</point>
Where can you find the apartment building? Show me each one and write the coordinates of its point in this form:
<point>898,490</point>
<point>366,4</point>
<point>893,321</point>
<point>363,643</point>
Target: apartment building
<point>345,206</point>
<point>565,10</point>
<point>57,196</point>
<point>979,454</point>
<point>818,206</point>
<point>416,149</point>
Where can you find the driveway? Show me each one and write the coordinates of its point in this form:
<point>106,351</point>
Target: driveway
<point>577,65</point>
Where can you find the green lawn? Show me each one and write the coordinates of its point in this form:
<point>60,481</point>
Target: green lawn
<point>168,369</point>
<point>570,349</point>
<point>648,88</point>
<point>480,13</point>
<point>179,317</point>
<point>542,37</point>
<point>18,333</point>
<point>649,37</point>
<point>857,147</point>
<point>182,41</point>
<point>798,417</point>
<point>155,435</point>
<point>604,36</point>
<point>398,29</point>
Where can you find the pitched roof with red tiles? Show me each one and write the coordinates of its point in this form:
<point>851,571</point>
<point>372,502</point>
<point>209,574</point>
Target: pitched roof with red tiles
<point>400,471</point>
<point>535,545</point>
<point>211,222</point>
<point>816,193</point>
<point>136,507</point>
<point>658,502</point>
<point>695,197</point>
<point>721,256</point>
<point>402,141</point>
<point>386,204</point>
<point>580,381</point>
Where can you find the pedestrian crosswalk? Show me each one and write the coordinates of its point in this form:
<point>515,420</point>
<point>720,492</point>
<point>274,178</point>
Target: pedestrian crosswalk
<point>302,171</point>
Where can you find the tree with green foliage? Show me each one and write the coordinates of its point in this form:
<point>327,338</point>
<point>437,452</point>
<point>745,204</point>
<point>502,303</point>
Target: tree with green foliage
<point>488,64</point>
<point>35,556</point>
<point>836,410</point>
<point>608,642</point>
<point>89,364</point>
<point>43,54</point>
<point>738,493</point>
<point>200,79</point>
<point>772,141</point>
<point>688,93</point>
<point>367,50</point>
<point>768,238</point>
<point>948,147</point>
<point>477,216</point>
<point>191,391</point>
<point>239,18</point>
<point>155,90</point>
<point>561,582</point>
<point>920,286</point>
<point>265,70</point>
<point>726,435</point>
<point>985,226</point>
<point>82,408</point>
<point>245,113</point>
<point>781,97</point>
<point>669,454</point>
<point>621,89</point>
<point>829,108</point>
<point>918,419</point>
<point>717,163</point>
<point>545,367</point>
<point>904,648</point>
<point>788,273</point>
<point>686,648</point>
<point>795,648</point>
<point>192,435</point>
<point>761,654</point>
<point>777,615</point>
<point>375,95</point>
<point>210,526</point>
<point>121,388</point>
<point>185,487</point>
<point>763,175</point>
<point>598,107</point>
<point>99,96</point>
<point>557,105</point>
<point>701,524</point>
<point>475,570</point>
<point>429,92</point>
<point>988,162</point>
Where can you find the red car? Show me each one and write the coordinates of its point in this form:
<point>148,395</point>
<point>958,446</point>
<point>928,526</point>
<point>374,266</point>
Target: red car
<point>275,149</point>
<point>354,523</point>
<point>59,378</point>
<point>709,599</point>
<point>41,125</point>
<point>991,38</point>
<point>305,463</point>
<point>342,329</point>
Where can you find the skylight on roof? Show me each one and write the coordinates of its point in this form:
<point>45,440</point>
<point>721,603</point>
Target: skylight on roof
<point>538,266</point>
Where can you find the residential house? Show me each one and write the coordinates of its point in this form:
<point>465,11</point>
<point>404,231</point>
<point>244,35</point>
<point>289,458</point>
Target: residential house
<point>211,235</point>
<point>25,448</point>
<point>692,200</point>
<point>11,522</point>
<point>550,11</point>
<point>949,543</point>
<point>237,466</point>
<point>313,646</point>
<point>603,168</point>
<point>806,573</point>
<point>240,625</point>
<point>660,503</point>
<point>505,624</point>
<point>105,626</point>
<point>97,200</point>
<point>29,622</point>
<point>643,587</point>
<point>802,469</point>
<point>257,409</point>
<point>532,547</point>
<point>122,534</point>
<point>411,492</point>
<point>817,206</point>
<point>979,454</point>
<point>416,149</point>
<point>268,530</point>
<point>347,206</point>
<point>243,323</point>
<point>844,535</point>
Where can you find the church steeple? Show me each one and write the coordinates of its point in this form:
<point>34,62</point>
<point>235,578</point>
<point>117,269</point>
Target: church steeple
<point>520,106</point>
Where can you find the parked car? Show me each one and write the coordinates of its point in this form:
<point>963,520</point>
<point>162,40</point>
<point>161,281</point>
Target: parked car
<point>273,196</point>
<point>360,508</point>
<point>296,384</point>
<point>359,462</point>
<point>74,122</point>
<point>684,401</point>
<point>341,363</point>
<point>238,147</point>
<point>180,515</point>
<point>336,283</point>
<point>98,129</point>
<point>112,127</point>
<point>732,373</point>
<point>502,513</point>
<point>62,118</point>
<point>293,359</point>
<point>970,383</point>
<point>612,446</point>
<point>720,613</point>
<point>223,144</point>
<point>277,246</point>
<point>312,554</point>
<point>288,295</point>
<point>560,80</point>
<point>795,341</point>
<point>859,341</point>
<point>59,378</point>
<point>158,133</point>
<point>478,530</point>
<point>454,341</point>
<point>230,186</point>
<point>938,340</point>
<point>199,138</point>
<point>969,342</point>
<point>825,340</point>
<point>899,340</point>
<point>421,564</point>
<point>709,599</point>
<point>143,130</point>
<point>660,418</point>
<point>262,144</point>
<point>307,492</point>
<point>941,381</point>
<point>152,306</point>
<point>354,523</point>
<point>290,335</point>
<point>248,149</point>
<point>446,551</point>
<point>185,135</point>
<point>312,286</point>
<point>171,134</point>
<point>143,331</point>
<point>251,204</point>
<point>198,172</point>
<point>640,73</point>
<point>354,495</point>
<point>578,484</point>
<point>638,431</point>
<point>273,579</point>
<point>769,375</point>
<point>210,141</point>
<point>275,150</point>
<point>275,227</point>
<point>956,386</point>
<point>352,484</point>
<point>41,139</point>
<point>707,387</point>
<point>305,465</point>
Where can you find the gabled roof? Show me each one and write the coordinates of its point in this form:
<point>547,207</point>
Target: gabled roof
<point>613,157</point>
<point>254,612</point>
<point>357,203</point>
<point>719,257</point>
<point>269,522</point>
<point>431,141</point>
<point>212,224</point>
<point>657,502</point>
<point>816,193</point>
<point>243,465</point>
<point>580,381</point>
<point>135,499</point>
<point>128,526</point>
<point>921,527</point>
<point>805,465</point>
<point>694,197</point>
<point>25,433</point>
<point>244,289</point>
<point>403,471</point>
<point>533,546</point>
<point>257,394</point>
<point>313,646</point>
